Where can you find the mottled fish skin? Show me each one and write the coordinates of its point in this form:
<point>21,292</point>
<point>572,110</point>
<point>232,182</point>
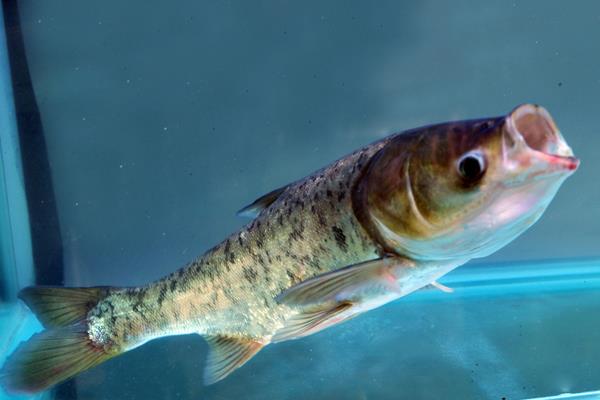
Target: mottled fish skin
<point>373,226</point>
<point>309,230</point>
<point>319,224</point>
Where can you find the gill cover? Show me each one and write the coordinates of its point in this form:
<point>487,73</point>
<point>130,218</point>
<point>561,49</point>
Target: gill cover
<point>463,189</point>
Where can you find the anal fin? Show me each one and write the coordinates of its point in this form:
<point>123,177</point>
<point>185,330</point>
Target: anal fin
<point>312,321</point>
<point>226,354</point>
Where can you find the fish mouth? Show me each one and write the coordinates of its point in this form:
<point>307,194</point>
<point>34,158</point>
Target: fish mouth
<point>535,140</point>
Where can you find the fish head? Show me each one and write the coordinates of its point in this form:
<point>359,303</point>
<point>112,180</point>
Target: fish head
<point>463,190</point>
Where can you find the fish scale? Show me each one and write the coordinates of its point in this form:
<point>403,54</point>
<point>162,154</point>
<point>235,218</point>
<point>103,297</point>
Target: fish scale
<point>376,225</point>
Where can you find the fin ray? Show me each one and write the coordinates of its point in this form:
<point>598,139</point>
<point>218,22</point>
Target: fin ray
<point>442,287</point>
<point>226,354</point>
<point>346,283</point>
<point>312,321</point>
<point>60,306</point>
<point>50,357</point>
<point>252,210</point>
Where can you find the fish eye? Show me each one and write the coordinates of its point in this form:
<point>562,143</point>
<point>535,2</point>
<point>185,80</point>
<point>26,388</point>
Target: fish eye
<point>471,166</point>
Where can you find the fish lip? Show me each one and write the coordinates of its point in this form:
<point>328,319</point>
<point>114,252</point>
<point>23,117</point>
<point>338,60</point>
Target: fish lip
<point>533,137</point>
<point>567,163</point>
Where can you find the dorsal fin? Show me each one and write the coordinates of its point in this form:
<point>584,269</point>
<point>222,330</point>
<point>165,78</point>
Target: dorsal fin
<point>227,354</point>
<point>252,210</point>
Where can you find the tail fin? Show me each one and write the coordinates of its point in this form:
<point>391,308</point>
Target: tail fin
<point>60,306</point>
<point>51,357</point>
<point>64,349</point>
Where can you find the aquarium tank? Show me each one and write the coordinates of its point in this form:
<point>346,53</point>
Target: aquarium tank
<point>132,132</point>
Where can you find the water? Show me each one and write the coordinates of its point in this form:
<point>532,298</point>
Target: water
<point>159,121</point>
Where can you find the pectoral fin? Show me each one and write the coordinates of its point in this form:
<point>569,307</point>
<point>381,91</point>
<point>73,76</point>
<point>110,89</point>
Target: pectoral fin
<point>347,284</point>
<point>227,354</point>
<point>312,321</point>
<point>252,210</point>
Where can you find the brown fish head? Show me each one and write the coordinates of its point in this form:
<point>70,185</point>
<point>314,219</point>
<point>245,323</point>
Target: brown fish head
<point>462,190</point>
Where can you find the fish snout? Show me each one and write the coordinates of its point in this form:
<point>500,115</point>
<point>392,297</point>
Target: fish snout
<point>533,144</point>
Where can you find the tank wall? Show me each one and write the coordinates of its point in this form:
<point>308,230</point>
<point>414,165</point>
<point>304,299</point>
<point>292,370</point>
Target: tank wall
<point>162,121</point>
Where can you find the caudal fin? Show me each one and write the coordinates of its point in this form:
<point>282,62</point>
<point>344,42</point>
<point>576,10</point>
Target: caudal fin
<point>50,357</point>
<point>61,351</point>
<point>60,306</point>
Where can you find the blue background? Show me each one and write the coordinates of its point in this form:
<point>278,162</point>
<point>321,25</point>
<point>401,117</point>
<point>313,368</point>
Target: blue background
<point>164,118</point>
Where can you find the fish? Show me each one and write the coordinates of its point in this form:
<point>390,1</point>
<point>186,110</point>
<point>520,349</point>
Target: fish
<point>378,224</point>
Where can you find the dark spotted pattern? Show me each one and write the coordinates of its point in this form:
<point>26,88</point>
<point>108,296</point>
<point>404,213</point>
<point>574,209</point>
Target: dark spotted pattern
<point>308,229</point>
<point>250,274</point>
<point>340,238</point>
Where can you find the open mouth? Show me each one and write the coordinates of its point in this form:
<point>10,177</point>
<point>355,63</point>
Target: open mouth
<point>532,126</point>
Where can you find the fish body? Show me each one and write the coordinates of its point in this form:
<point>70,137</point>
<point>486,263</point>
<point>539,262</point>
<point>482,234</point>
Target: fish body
<point>373,226</point>
<point>309,230</point>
